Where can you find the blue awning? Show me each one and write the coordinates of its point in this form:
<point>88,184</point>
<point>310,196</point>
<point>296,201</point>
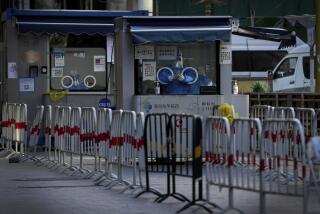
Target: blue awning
<point>179,29</point>
<point>143,35</point>
<point>66,21</point>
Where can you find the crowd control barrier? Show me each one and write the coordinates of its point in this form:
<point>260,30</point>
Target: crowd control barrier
<point>140,118</point>
<point>284,151</point>
<point>56,129</point>
<point>279,167</point>
<point>21,127</point>
<point>261,111</point>
<point>48,130</point>
<point>283,112</point>
<point>114,148</point>
<point>104,118</point>
<point>228,158</point>
<point>88,147</point>
<point>7,124</point>
<point>308,119</point>
<point>155,149</point>
<point>271,158</point>
<point>14,128</point>
<point>173,146</point>
<point>72,138</point>
<point>34,135</point>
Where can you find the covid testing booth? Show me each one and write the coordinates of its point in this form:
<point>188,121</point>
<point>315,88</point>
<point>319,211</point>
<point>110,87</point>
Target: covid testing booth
<point>61,57</point>
<point>175,64</point>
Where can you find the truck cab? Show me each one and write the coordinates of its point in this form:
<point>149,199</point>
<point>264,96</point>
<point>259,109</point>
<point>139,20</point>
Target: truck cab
<point>292,73</point>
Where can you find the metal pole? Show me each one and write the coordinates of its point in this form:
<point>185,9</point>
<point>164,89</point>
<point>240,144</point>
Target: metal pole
<point>317,40</point>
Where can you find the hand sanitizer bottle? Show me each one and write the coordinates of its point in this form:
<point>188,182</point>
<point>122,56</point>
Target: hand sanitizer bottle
<point>157,88</point>
<point>235,87</point>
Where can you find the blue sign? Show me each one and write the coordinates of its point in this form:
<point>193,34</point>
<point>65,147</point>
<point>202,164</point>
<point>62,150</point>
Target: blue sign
<point>104,103</point>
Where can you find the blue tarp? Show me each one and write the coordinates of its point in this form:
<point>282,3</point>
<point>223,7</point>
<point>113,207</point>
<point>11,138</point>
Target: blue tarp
<point>66,21</point>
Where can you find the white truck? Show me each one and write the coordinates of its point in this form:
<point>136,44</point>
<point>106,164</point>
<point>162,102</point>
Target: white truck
<point>292,73</point>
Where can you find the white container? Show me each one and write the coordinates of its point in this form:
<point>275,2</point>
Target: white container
<point>157,88</point>
<point>235,88</point>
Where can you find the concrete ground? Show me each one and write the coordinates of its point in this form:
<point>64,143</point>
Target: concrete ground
<point>30,189</point>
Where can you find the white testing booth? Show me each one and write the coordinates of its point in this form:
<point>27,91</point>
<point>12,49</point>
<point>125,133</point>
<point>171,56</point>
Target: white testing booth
<point>175,64</point>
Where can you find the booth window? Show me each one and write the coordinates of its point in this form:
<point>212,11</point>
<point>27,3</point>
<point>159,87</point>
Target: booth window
<point>176,68</point>
<point>78,62</point>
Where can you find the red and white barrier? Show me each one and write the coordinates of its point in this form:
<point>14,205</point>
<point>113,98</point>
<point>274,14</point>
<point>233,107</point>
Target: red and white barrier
<point>88,147</point>
<point>48,130</point>
<point>261,111</point>
<point>102,138</point>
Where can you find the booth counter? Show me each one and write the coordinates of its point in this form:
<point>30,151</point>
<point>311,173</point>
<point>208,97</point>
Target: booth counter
<point>174,64</point>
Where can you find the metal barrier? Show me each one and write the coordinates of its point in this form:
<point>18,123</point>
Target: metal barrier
<point>155,149</point>
<point>283,113</point>
<point>244,159</point>
<point>261,111</point>
<point>47,130</point>
<point>114,151</point>
<point>35,127</point>
<point>74,136</point>
<point>219,158</point>
<point>88,147</point>
<point>172,145</point>
<point>308,119</point>
<point>128,154</point>
<point>56,155</point>
<point>232,161</point>
<point>61,135</point>
<point>140,144</point>
<point>71,135</point>
<point>8,122</point>
<point>185,158</point>
<point>285,168</point>
<point>104,118</point>
<point>14,128</point>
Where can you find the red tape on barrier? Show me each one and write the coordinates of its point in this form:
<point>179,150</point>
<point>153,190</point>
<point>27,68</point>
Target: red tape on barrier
<point>251,131</point>
<point>274,137</point>
<point>230,160</point>
<point>282,134</point>
<point>290,135</point>
<point>35,130</point>
<point>21,125</point>
<point>60,131</point>
<point>266,134</point>
<point>207,155</point>
<point>262,165</point>
<point>67,129</point>
<point>298,139</point>
<point>74,130</point>
<point>12,122</point>
<point>140,143</point>
<point>47,130</point>
<point>5,124</point>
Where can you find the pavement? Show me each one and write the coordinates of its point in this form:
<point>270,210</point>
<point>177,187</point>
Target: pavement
<point>30,189</point>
